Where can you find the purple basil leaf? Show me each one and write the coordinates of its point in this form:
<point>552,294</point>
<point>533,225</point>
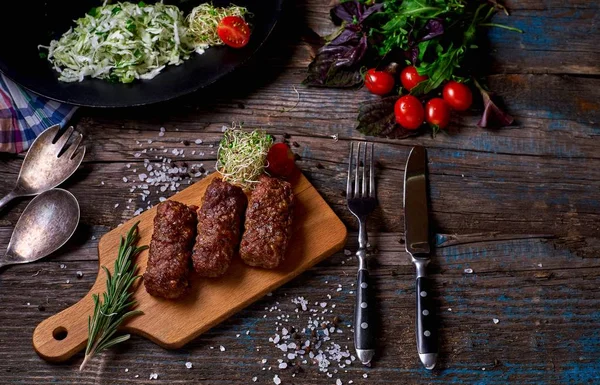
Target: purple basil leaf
<point>376,118</point>
<point>346,37</point>
<point>433,28</point>
<point>347,11</point>
<point>371,10</point>
<point>331,68</point>
<point>493,116</point>
<point>353,55</point>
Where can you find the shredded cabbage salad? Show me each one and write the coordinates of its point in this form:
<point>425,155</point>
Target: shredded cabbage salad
<point>124,41</point>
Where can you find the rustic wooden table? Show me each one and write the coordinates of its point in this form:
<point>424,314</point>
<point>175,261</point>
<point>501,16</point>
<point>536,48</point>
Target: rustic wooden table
<point>519,206</point>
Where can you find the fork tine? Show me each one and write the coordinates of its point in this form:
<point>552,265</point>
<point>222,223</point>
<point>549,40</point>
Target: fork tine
<point>372,191</point>
<point>63,139</point>
<point>364,181</point>
<point>349,180</point>
<point>72,148</point>
<point>356,176</point>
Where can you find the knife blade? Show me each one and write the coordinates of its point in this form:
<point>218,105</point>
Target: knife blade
<point>416,227</point>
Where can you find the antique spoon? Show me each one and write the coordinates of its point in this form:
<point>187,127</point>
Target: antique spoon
<point>49,162</point>
<point>46,224</point>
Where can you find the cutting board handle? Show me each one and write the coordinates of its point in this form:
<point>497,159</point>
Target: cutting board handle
<point>63,335</point>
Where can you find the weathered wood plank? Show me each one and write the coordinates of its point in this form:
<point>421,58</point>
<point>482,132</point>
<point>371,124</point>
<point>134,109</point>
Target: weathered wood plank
<point>534,304</point>
<point>519,206</point>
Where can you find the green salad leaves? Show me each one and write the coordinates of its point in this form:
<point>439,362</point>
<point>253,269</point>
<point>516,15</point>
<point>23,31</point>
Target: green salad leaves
<point>441,38</point>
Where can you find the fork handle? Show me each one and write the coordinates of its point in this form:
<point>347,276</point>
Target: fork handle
<point>7,198</point>
<point>364,321</point>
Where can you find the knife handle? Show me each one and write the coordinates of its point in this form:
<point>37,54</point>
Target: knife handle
<point>364,321</point>
<point>427,336</point>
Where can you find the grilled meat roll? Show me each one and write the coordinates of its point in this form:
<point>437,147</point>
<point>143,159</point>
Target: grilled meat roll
<point>168,267</point>
<point>268,223</point>
<point>219,228</point>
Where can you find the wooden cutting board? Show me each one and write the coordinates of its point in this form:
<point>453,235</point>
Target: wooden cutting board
<point>317,233</point>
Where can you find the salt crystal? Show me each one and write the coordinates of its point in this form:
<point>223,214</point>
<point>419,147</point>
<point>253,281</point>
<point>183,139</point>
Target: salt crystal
<point>496,320</point>
<point>142,177</point>
<point>154,376</point>
<point>162,199</point>
<point>198,141</point>
<point>102,183</point>
<point>63,266</point>
<point>540,265</point>
<point>125,179</point>
<point>291,356</point>
<point>449,309</point>
<point>188,365</point>
<point>264,361</point>
<point>222,348</point>
<point>347,252</point>
<point>283,365</point>
<point>338,382</point>
<point>254,379</point>
<point>469,271</point>
<point>137,376</point>
<point>126,370</point>
<point>276,380</point>
<point>284,331</point>
<point>116,205</point>
<point>68,281</point>
<point>338,289</point>
<point>365,375</point>
<point>28,303</point>
<point>137,154</point>
<point>247,332</point>
<point>237,336</point>
<point>323,304</point>
<point>149,141</point>
<point>128,165</point>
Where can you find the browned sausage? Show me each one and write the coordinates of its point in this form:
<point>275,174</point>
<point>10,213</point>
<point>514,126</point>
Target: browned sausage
<point>219,228</point>
<point>268,223</point>
<point>168,267</point>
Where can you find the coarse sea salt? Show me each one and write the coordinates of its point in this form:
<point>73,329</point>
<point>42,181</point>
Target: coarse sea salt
<point>188,365</point>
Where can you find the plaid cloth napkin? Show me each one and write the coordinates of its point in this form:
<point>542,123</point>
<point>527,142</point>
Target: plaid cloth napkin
<point>24,115</point>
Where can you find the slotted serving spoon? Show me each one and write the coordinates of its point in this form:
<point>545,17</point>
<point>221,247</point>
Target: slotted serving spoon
<point>51,159</point>
<point>46,224</point>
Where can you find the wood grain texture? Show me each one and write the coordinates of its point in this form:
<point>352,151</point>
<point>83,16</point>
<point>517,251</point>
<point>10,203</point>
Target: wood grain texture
<point>316,234</point>
<point>519,206</point>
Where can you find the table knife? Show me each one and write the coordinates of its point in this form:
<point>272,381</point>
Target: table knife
<point>416,225</point>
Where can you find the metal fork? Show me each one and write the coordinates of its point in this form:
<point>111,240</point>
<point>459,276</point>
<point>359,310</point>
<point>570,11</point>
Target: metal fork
<point>52,158</point>
<point>362,200</point>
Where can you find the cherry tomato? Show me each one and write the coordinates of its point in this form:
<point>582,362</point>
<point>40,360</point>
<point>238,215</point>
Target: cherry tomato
<point>280,161</point>
<point>410,77</point>
<point>379,82</point>
<point>409,112</point>
<point>234,31</point>
<point>437,112</point>
<point>458,96</point>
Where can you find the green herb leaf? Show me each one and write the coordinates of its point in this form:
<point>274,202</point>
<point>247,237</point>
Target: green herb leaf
<point>113,309</point>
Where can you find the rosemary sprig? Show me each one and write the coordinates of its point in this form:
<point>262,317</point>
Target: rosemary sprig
<point>112,311</point>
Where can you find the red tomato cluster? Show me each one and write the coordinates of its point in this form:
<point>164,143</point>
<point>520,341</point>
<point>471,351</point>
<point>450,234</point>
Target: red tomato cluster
<point>409,110</point>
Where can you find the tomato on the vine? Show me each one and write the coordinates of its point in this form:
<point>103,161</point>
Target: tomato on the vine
<point>458,96</point>
<point>410,77</point>
<point>234,31</point>
<point>379,82</point>
<point>437,112</point>
<point>280,161</point>
<point>409,112</point>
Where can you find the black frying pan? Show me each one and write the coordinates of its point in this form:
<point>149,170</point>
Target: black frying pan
<point>29,23</point>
